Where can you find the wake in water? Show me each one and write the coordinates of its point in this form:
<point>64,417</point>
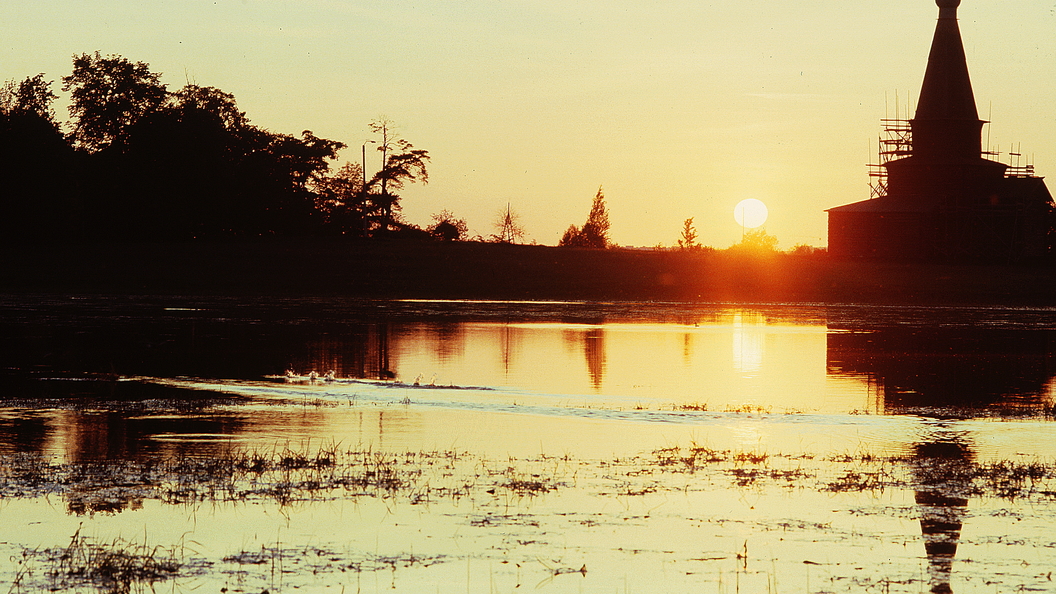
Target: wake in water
<point>324,391</point>
<point>330,378</point>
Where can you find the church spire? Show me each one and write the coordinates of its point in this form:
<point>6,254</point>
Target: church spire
<point>946,125</point>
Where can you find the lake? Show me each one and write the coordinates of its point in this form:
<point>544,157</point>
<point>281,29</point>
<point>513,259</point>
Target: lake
<point>466,446</point>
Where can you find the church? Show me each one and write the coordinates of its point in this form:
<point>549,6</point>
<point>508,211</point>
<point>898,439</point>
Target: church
<point>939,198</point>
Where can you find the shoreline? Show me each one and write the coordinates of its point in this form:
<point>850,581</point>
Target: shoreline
<point>465,270</point>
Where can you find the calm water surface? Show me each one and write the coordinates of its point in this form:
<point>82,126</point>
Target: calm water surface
<point>110,379</point>
<point>866,373</point>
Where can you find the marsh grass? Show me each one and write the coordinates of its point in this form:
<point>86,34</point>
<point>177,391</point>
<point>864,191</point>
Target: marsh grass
<point>289,475</point>
<point>1004,479</point>
<point>116,567</point>
<point>320,560</point>
<point>859,473</point>
<point>692,406</point>
<point>533,485</point>
<point>122,567</point>
<point>497,490</point>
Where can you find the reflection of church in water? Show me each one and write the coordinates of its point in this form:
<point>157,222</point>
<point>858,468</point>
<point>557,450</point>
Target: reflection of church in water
<point>910,368</point>
<point>935,194</point>
<point>936,370</point>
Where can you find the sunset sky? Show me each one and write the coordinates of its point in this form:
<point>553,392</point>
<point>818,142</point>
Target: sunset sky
<point>678,109</point>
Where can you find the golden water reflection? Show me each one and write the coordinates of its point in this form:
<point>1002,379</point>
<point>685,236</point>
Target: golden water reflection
<point>717,359</point>
<point>595,387</point>
<point>735,361</point>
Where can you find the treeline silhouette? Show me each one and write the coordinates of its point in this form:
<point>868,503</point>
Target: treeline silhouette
<point>138,161</point>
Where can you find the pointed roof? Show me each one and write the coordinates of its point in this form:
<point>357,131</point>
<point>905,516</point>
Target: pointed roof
<point>946,93</point>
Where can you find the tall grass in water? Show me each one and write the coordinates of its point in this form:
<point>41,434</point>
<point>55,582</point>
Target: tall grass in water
<point>112,567</point>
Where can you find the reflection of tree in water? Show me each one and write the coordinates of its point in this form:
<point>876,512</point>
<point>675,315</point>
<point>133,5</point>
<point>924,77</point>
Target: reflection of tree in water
<point>940,468</point>
<point>510,345</point>
<point>594,351</point>
<point>592,341</point>
<point>27,432</point>
<point>948,367</point>
<point>449,338</point>
<point>127,434</point>
<point>358,351</point>
<point>111,453</point>
<point>687,347</point>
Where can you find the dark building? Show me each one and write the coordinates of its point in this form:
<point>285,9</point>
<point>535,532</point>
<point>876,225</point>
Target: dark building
<point>937,197</point>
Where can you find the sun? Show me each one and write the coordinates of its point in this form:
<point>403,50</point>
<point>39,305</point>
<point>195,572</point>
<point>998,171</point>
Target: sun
<point>750,213</point>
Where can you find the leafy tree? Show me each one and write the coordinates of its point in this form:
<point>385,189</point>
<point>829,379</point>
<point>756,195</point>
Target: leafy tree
<point>38,198</point>
<point>595,232</point>
<point>279,173</point>
<point>801,249</point>
<point>688,241</point>
<point>573,237</point>
<point>109,94</point>
<point>189,163</point>
<point>508,226</point>
<point>401,164</point>
<point>159,164</point>
<point>193,99</point>
<point>446,227</point>
<point>596,229</point>
<point>32,96</point>
<point>342,201</point>
<point>757,241</point>
<point>197,142</point>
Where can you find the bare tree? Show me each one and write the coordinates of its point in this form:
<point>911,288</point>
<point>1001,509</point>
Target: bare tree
<point>509,227</point>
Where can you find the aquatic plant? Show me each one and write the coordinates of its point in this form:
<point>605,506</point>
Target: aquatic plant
<point>114,567</point>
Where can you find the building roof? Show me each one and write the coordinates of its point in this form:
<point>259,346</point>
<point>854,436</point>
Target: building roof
<point>883,204</point>
<point>946,93</point>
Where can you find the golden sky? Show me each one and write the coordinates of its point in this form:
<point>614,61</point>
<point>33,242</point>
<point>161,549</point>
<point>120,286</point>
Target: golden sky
<point>679,109</point>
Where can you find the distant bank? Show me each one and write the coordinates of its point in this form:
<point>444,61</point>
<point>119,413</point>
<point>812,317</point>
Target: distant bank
<point>381,269</point>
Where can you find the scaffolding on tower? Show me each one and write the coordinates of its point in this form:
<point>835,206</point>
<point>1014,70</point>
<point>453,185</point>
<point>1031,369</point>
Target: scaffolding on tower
<point>896,142</point>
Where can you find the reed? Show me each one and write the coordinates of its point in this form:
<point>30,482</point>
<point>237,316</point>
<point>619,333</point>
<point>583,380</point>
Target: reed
<point>115,566</point>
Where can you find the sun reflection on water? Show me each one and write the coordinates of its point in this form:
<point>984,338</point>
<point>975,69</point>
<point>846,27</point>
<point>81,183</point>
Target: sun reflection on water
<point>748,342</point>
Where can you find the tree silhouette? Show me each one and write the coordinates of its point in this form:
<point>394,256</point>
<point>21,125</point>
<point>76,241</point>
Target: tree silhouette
<point>401,164</point>
<point>32,96</point>
<point>508,226</point>
<point>595,232</point>
<point>142,162</point>
<point>109,94</point>
<point>757,241</point>
<point>221,175</point>
<point>446,227</point>
<point>688,241</point>
<point>342,200</point>
<point>198,142</point>
<point>36,165</point>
